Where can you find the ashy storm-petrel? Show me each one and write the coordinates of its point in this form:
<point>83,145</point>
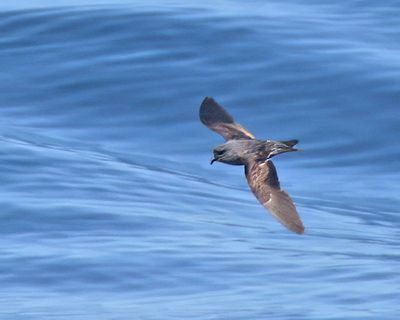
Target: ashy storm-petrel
<point>242,148</point>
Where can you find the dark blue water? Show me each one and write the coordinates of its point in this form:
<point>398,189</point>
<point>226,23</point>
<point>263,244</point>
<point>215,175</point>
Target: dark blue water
<point>109,207</point>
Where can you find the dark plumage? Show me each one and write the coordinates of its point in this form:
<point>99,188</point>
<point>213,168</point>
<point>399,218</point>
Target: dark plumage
<point>242,148</point>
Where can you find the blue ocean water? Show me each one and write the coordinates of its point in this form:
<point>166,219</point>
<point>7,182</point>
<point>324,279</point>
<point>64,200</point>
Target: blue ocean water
<point>109,207</point>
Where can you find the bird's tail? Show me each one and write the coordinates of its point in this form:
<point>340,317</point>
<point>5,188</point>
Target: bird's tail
<point>283,146</point>
<point>290,143</point>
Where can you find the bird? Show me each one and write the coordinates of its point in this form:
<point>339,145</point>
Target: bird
<point>242,148</point>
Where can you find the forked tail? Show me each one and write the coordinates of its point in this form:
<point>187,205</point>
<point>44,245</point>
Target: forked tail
<point>290,143</point>
<point>282,147</point>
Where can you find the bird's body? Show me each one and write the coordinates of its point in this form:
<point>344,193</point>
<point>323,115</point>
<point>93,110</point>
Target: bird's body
<point>245,151</point>
<point>242,148</point>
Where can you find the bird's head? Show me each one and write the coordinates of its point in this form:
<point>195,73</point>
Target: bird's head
<point>225,153</point>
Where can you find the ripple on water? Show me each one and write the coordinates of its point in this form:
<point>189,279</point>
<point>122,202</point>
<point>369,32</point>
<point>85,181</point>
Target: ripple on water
<point>109,204</point>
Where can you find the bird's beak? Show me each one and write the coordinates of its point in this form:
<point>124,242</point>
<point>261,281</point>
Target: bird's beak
<point>213,160</point>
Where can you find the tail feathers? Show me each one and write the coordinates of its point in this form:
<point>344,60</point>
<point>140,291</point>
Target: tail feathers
<point>283,146</point>
<point>290,143</point>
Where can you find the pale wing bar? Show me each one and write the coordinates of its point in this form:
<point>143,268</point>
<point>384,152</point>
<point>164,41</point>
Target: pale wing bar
<point>217,119</point>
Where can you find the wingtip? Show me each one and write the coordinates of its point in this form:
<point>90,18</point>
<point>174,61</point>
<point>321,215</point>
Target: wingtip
<point>207,100</point>
<point>210,110</point>
<point>203,109</point>
<point>299,229</point>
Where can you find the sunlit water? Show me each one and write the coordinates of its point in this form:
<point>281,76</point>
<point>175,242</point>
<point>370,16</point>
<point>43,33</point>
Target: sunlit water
<point>109,207</point>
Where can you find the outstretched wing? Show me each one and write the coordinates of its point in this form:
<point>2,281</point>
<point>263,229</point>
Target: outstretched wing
<point>217,119</point>
<point>263,181</point>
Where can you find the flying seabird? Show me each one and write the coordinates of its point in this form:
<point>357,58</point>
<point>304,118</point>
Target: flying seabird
<point>242,148</point>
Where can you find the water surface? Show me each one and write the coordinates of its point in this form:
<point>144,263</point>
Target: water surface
<point>110,209</point>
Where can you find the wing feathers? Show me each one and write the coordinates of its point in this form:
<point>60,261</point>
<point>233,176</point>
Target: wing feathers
<point>263,181</point>
<point>217,119</point>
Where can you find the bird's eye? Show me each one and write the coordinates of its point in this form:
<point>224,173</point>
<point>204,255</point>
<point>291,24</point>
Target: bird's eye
<point>219,152</point>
